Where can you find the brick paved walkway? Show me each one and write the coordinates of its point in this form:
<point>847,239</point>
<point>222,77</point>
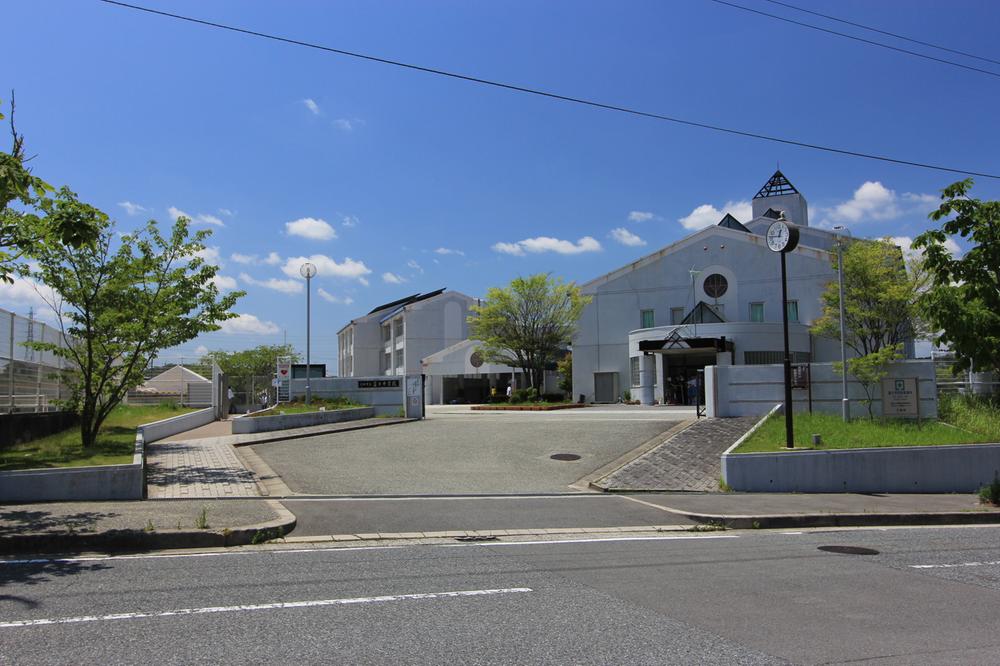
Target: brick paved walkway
<point>690,460</point>
<point>201,468</point>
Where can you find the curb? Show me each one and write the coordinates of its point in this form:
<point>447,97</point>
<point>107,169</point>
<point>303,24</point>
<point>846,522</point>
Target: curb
<point>785,521</point>
<point>282,438</point>
<point>139,540</point>
<point>526,408</point>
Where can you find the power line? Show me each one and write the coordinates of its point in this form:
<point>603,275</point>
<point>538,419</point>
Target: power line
<point>883,32</point>
<point>855,38</point>
<point>551,95</point>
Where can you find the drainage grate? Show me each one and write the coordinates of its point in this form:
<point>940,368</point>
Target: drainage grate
<point>473,537</point>
<point>849,550</point>
<point>564,456</point>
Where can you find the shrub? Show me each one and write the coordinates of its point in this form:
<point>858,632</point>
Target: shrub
<point>991,494</point>
<point>627,396</point>
<point>553,397</point>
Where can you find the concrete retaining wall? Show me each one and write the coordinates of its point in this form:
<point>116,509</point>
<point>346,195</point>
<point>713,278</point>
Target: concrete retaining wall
<point>748,390</point>
<point>246,424</point>
<point>26,426</point>
<point>387,400</point>
<point>158,430</point>
<point>101,482</point>
<point>913,469</point>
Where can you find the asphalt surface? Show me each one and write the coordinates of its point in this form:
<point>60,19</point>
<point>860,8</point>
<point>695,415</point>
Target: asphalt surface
<point>928,596</point>
<point>465,452</point>
<point>322,517</point>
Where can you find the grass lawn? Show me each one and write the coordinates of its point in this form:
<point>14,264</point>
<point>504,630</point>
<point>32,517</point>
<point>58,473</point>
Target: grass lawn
<point>300,407</point>
<point>858,434</point>
<point>115,443</point>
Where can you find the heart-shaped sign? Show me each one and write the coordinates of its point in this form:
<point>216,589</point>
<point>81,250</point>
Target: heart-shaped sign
<point>284,372</point>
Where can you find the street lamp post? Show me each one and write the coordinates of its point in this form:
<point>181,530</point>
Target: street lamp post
<point>308,271</point>
<point>845,402</point>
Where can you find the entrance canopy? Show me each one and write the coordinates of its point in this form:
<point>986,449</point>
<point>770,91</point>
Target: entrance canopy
<point>675,344</point>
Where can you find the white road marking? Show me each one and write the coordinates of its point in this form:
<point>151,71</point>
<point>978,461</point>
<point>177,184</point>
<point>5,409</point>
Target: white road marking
<point>284,605</point>
<point>792,533</point>
<point>557,541</point>
<point>435,498</point>
<point>954,566</point>
<point>281,551</point>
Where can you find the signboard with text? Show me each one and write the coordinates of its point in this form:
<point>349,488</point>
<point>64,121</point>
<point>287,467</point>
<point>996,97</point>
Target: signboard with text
<point>378,383</point>
<point>901,398</point>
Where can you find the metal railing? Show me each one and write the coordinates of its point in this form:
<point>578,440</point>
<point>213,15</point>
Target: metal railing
<point>30,380</point>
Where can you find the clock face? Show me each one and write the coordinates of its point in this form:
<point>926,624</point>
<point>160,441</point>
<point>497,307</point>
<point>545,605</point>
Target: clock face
<point>778,236</point>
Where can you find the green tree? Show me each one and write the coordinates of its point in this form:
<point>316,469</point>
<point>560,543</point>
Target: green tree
<point>963,302</point>
<point>880,298</point>
<point>241,366</point>
<point>870,370</point>
<point>22,230</point>
<point>565,369</point>
<point>120,301</point>
<point>527,324</point>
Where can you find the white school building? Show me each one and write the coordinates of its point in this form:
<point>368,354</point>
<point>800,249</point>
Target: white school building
<point>712,298</point>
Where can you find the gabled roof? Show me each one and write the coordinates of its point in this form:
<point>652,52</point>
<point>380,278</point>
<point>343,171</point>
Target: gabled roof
<point>405,299</point>
<point>731,222</point>
<point>703,313</point>
<point>773,214</point>
<point>776,186</point>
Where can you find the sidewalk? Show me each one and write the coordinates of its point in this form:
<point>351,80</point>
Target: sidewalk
<point>140,525</point>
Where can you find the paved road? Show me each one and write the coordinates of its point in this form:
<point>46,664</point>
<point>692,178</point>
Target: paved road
<point>928,597</point>
<point>466,452</point>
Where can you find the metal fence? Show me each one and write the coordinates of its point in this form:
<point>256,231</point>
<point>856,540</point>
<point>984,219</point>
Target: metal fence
<point>30,380</point>
<point>963,381</point>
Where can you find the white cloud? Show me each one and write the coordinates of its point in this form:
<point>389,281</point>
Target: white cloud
<point>243,258</point>
<point>548,244</point>
<point>132,208</point>
<point>344,124</point>
<point>871,201</point>
<point>201,350</point>
<point>330,298</point>
<point>640,216</point>
<point>874,202</point>
<point>224,282</point>
<point>312,106</point>
<point>248,323</point>
<point>273,259</point>
<point>910,252</point>
<point>706,215</point>
<point>392,278</point>
<point>24,293</point>
<point>211,255</point>
<point>284,286</point>
<point>205,218</point>
<point>412,263</point>
<point>349,220</point>
<point>626,237</point>
<point>447,250</point>
<point>327,267</point>
<point>202,218</point>
<point>226,212</point>
<point>312,228</point>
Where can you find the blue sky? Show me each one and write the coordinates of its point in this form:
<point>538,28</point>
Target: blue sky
<point>397,182</point>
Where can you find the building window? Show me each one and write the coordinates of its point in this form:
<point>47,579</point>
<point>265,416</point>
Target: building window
<point>757,312</point>
<point>716,285</point>
<point>634,361</point>
<point>774,357</point>
<point>676,316</point>
<point>646,319</point>
<point>399,327</point>
<point>386,333</point>
<point>793,310</point>
<point>399,358</point>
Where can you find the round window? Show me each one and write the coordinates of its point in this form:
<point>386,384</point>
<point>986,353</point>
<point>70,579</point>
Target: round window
<point>716,285</point>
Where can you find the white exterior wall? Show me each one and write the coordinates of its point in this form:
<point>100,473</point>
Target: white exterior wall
<point>433,325</point>
<point>750,390</point>
<point>662,281</point>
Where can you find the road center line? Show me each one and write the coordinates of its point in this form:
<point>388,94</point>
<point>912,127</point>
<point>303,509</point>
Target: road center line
<point>284,605</point>
<point>954,566</point>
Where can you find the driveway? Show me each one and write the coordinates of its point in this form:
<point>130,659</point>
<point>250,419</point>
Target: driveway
<point>457,451</point>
